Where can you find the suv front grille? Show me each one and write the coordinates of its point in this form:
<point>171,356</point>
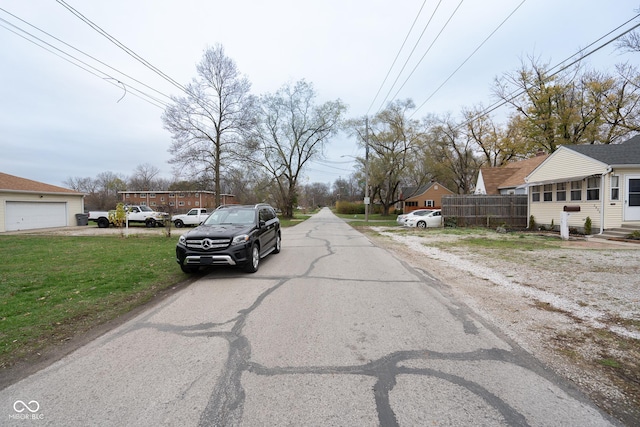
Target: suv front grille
<point>208,244</point>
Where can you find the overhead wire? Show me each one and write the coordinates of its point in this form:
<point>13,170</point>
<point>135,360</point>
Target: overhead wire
<point>562,68</point>
<point>429,48</point>
<point>122,46</point>
<point>82,52</point>
<point>397,56</point>
<point>77,62</point>
<point>409,57</point>
<point>467,58</point>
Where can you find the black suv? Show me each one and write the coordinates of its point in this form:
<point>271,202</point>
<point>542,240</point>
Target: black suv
<point>231,235</point>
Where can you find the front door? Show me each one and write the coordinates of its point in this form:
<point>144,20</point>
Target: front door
<point>632,199</point>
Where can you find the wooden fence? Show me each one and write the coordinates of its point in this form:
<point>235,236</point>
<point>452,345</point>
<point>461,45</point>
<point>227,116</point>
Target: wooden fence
<point>485,211</point>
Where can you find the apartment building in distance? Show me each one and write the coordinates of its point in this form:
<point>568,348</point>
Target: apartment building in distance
<point>174,201</point>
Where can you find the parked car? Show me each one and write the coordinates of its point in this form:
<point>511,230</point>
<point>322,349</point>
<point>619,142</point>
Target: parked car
<point>403,217</point>
<point>431,218</point>
<point>194,217</point>
<point>232,235</point>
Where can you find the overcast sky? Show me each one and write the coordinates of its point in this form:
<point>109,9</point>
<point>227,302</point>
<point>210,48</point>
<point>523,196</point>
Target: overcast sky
<point>59,121</point>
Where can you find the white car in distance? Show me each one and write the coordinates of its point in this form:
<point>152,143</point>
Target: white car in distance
<point>403,217</point>
<point>424,218</point>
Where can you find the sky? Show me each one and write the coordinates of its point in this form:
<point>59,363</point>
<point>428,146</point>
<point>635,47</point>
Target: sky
<point>60,121</point>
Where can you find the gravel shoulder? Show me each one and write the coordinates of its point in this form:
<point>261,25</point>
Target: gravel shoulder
<point>574,305</point>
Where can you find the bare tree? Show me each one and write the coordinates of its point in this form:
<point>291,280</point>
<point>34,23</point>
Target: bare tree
<point>576,107</point>
<point>290,132</point>
<point>208,122</point>
<point>451,156</point>
<point>144,178</point>
<point>395,147</point>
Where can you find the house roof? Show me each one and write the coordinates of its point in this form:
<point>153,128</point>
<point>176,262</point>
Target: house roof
<point>409,192</point>
<point>510,175</point>
<point>626,153</point>
<point>523,168</point>
<point>16,184</point>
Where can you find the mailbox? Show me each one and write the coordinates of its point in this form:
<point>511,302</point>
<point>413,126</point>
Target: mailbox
<point>571,209</point>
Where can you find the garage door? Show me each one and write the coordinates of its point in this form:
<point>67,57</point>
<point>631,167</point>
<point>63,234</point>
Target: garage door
<point>29,215</point>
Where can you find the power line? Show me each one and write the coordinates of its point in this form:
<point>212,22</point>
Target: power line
<point>429,48</point>
<point>517,93</point>
<point>79,51</point>
<point>410,54</point>
<point>122,46</point>
<point>85,66</point>
<point>397,56</point>
<point>467,59</point>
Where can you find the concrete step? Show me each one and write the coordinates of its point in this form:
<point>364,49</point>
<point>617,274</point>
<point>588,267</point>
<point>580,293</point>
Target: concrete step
<point>618,233</point>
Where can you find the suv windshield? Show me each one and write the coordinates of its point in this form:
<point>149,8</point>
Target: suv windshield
<point>232,216</point>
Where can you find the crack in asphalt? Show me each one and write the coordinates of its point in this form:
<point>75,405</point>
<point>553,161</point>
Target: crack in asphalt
<point>226,403</point>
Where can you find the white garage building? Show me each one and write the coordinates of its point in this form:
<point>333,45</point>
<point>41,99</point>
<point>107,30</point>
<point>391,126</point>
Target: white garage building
<point>27,204</point>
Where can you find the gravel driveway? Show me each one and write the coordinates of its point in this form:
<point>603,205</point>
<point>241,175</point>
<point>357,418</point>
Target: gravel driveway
<point>575,305</point>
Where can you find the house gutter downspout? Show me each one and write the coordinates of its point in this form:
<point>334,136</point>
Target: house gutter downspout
<point>606,172</point>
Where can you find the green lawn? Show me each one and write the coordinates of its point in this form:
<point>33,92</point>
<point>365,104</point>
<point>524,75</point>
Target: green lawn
<point>53,288</point>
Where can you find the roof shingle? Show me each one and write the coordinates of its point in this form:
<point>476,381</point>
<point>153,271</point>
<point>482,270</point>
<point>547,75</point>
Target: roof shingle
<point>626,153</point>
<point>15,183</point>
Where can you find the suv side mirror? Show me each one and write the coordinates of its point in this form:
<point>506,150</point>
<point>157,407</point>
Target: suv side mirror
<point>262,224</point>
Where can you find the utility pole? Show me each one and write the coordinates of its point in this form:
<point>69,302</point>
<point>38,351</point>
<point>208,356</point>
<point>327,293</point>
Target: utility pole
<point>366,169</point>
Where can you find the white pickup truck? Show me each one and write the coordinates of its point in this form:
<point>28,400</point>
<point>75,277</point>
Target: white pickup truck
<point>135,213</point>
<point>193,217</point>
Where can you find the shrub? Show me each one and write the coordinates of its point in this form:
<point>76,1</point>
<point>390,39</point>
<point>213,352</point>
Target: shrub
<point>532,223</point>
<point>119,216</point>
<point>349,208</point>
<point>634,236</point>
<point>587,226</point>
<point>450,221</point>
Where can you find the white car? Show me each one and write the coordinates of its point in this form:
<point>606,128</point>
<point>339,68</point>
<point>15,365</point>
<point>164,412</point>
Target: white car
<point>430,218</point>
<point>403,218</point>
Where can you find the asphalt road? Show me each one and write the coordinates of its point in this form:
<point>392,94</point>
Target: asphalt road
<point>333,331</point>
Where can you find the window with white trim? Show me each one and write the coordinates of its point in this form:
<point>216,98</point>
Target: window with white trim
<point>615,187</point>
<point>576,190</point>
<point>593,188</point>
<point>535,193</point>
<point>547,194</point>
<point>429,203</point>
<point>561,192</point>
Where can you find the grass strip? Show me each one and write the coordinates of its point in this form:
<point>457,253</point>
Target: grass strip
<point>53,287</point>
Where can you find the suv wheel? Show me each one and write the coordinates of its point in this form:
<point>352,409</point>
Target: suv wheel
<point>254,260</point>
<point>276,248</point>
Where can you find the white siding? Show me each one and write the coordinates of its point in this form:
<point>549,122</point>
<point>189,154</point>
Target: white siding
<point>544,212</point>
<point>480,188</point>
<point>565,164</point>
<point>74,205</point>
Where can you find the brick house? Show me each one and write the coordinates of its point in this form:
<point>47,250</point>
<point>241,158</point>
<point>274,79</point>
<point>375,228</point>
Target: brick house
<point>427,196</point>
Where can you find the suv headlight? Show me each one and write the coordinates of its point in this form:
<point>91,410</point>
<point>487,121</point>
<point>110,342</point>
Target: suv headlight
<point>182,240</point>
<point>238,240</point>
